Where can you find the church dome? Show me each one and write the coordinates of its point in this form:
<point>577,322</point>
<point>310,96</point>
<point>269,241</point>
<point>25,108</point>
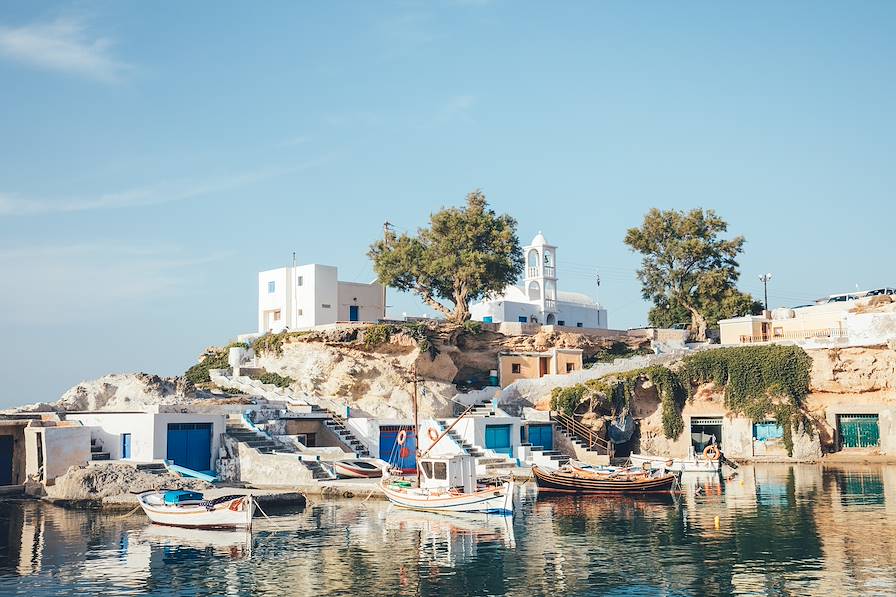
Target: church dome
<point>539,240</point>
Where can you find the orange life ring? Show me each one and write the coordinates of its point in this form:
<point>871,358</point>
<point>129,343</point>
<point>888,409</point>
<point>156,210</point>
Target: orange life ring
<point>401,437</point>
<point>433,434</point>
<point>711,452</point>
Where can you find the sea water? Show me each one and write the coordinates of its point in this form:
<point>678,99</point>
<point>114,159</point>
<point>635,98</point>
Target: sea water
<point>771,530</point>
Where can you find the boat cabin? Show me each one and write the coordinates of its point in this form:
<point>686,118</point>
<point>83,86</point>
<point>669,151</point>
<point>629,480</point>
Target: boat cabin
<point>448,472</point>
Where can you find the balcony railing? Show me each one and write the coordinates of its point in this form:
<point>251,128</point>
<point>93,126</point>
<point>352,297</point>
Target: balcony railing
<point>549,271</point>
<point>794,335</point>
<point>550,305</point>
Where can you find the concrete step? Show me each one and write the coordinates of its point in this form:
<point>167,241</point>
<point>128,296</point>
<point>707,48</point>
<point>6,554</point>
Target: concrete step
<point>100,456</point>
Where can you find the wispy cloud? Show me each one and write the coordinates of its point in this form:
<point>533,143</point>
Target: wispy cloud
<point>15,205</point>
<point>81,281</point>
<point>63,45</point>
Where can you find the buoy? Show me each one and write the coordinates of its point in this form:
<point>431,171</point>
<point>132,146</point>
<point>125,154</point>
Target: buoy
<point>716,521</point>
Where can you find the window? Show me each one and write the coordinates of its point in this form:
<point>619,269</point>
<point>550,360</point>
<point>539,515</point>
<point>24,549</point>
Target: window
<point>277,315</point>
<point>325,306</point>
<point>522,319</point>
<point>299,281</point>
<point>570,367</point>
<point>427,469</point>
<point>300,312</point>
<point>515,368</point>
<point>272,287</point>
<point>440,471</point>
<point>487,319</point>
<point>561,322</point>
<point>578,325</point>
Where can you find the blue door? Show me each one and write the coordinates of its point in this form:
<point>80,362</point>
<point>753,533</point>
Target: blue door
<point>125,445</point>
<point>542,436</point>
<point>402,457</point>
<point>353,313</point>
<point>497,438</point>
<point>190,445</point>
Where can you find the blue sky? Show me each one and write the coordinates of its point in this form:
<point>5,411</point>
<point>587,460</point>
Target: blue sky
<point>155,156</point>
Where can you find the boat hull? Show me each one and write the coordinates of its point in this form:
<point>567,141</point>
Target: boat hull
<point>554,482</point>
<point>678,465</point>
<point>494,500</point>
<point>235,513</point>
<point>347,469</point>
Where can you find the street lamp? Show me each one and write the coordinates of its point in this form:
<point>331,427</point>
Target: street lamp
<point>764,278</point>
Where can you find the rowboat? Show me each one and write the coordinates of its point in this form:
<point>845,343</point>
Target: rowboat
<point>190,509</point>
<point>356,469</point>
<point>497,499</point>
<point>572,480</point>
<point>679,465</point>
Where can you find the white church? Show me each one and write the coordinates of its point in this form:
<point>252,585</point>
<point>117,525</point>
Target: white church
<point>539,301</point>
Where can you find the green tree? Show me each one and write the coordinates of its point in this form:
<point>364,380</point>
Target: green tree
<point>687,268</point>
<point>466,254</point>
<point>731,303</point>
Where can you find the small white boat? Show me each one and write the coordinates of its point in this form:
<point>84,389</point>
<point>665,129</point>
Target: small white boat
<point>356,468</point>
<point>190,509</point>
<point>692,464</point>
<point>448,484</point>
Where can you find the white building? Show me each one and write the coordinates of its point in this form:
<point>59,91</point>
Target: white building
<point>309,295</point>
<point>539,300</point>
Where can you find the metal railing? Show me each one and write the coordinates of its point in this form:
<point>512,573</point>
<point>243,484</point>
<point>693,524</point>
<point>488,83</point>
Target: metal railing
<point>794,335</point>
<point>585,434</point>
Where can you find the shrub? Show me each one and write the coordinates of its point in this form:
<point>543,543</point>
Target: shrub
<point>198,373</point>
<point>281,381</point>
<point>273,343</point>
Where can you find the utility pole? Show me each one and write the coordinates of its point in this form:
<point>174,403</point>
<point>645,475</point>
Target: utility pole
<point>764,278</point>
<point>387,230</point>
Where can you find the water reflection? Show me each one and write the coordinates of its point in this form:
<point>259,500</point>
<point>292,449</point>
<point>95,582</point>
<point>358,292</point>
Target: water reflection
<point>772,529</point>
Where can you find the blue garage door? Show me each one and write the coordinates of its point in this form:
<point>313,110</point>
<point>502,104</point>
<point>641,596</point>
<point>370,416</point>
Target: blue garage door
<point>497,438</point>
<point>542,435</point>
<point>403,457</point>
<point>190,445</point>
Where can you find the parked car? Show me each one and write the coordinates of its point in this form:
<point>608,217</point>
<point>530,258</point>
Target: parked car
<point>881,291</point>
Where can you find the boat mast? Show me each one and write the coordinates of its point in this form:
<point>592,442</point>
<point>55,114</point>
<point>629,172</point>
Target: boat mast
<point>416,429</point>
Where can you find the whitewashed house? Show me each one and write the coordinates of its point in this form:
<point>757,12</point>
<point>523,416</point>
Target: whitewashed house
<point>308,295</point>
<point>539,300</point>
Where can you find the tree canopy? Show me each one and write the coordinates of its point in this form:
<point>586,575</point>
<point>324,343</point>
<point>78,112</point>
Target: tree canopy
<point>465,254</point>
<point>688,270</point>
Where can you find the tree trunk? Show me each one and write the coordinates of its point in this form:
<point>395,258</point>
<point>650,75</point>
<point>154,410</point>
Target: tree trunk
<point>427,298</point>
<point>698,324</point>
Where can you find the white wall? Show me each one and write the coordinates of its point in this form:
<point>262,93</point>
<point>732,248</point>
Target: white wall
<point>107,428</point>
<point>510,311</point>
<point>149,431</point>
<point>63,447</point>
<point>368,298</point>
<point>268,301</point>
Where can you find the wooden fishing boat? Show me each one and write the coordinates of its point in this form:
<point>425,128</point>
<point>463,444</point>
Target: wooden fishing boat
<point>356,469</point>
<point>572,480</point>
<point>449,485</point>
<point>679,465</point>
<point>190,509</point>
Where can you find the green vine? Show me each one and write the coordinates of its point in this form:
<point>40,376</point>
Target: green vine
<point>758,381</point>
